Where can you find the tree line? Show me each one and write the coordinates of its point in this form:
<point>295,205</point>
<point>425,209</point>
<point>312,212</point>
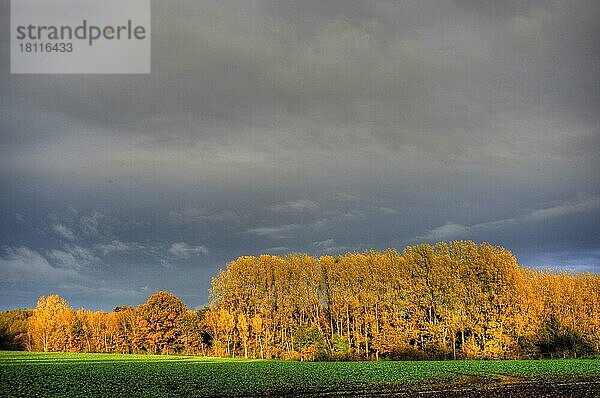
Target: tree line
<point>455,300</point>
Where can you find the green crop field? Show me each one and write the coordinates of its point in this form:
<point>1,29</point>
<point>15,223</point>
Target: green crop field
<point>85,375</point>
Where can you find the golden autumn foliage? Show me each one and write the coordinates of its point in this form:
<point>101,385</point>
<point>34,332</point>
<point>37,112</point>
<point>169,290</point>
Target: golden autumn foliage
<point>159,324</point>
<point>50,325</point>
<point>456,300</point>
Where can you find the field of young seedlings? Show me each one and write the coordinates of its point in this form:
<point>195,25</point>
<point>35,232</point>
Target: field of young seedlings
<point>84,375</point>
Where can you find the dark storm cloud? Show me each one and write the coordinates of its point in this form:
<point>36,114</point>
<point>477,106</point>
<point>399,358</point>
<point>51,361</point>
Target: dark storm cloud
<point>287,126</point>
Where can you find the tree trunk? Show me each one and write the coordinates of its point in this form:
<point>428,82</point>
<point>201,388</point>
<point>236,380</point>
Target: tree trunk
<point>454,348</point>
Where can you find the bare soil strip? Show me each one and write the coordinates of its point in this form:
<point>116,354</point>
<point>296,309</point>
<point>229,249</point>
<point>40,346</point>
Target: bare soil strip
<point>469,387</point>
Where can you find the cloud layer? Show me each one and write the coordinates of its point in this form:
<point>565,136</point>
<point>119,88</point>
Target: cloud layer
<point>270,126</point>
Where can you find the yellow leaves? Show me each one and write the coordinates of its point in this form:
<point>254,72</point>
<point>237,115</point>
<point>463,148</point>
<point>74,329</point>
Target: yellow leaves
<point>226,320</point>
<point>256,324</point>
<point>50,324</point>
<point>159,323</point>
<point>427,294</point>
<point>459,300</point>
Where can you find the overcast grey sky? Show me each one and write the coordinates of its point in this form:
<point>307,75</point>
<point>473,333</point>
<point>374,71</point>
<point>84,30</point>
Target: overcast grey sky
<point>302,126</point>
